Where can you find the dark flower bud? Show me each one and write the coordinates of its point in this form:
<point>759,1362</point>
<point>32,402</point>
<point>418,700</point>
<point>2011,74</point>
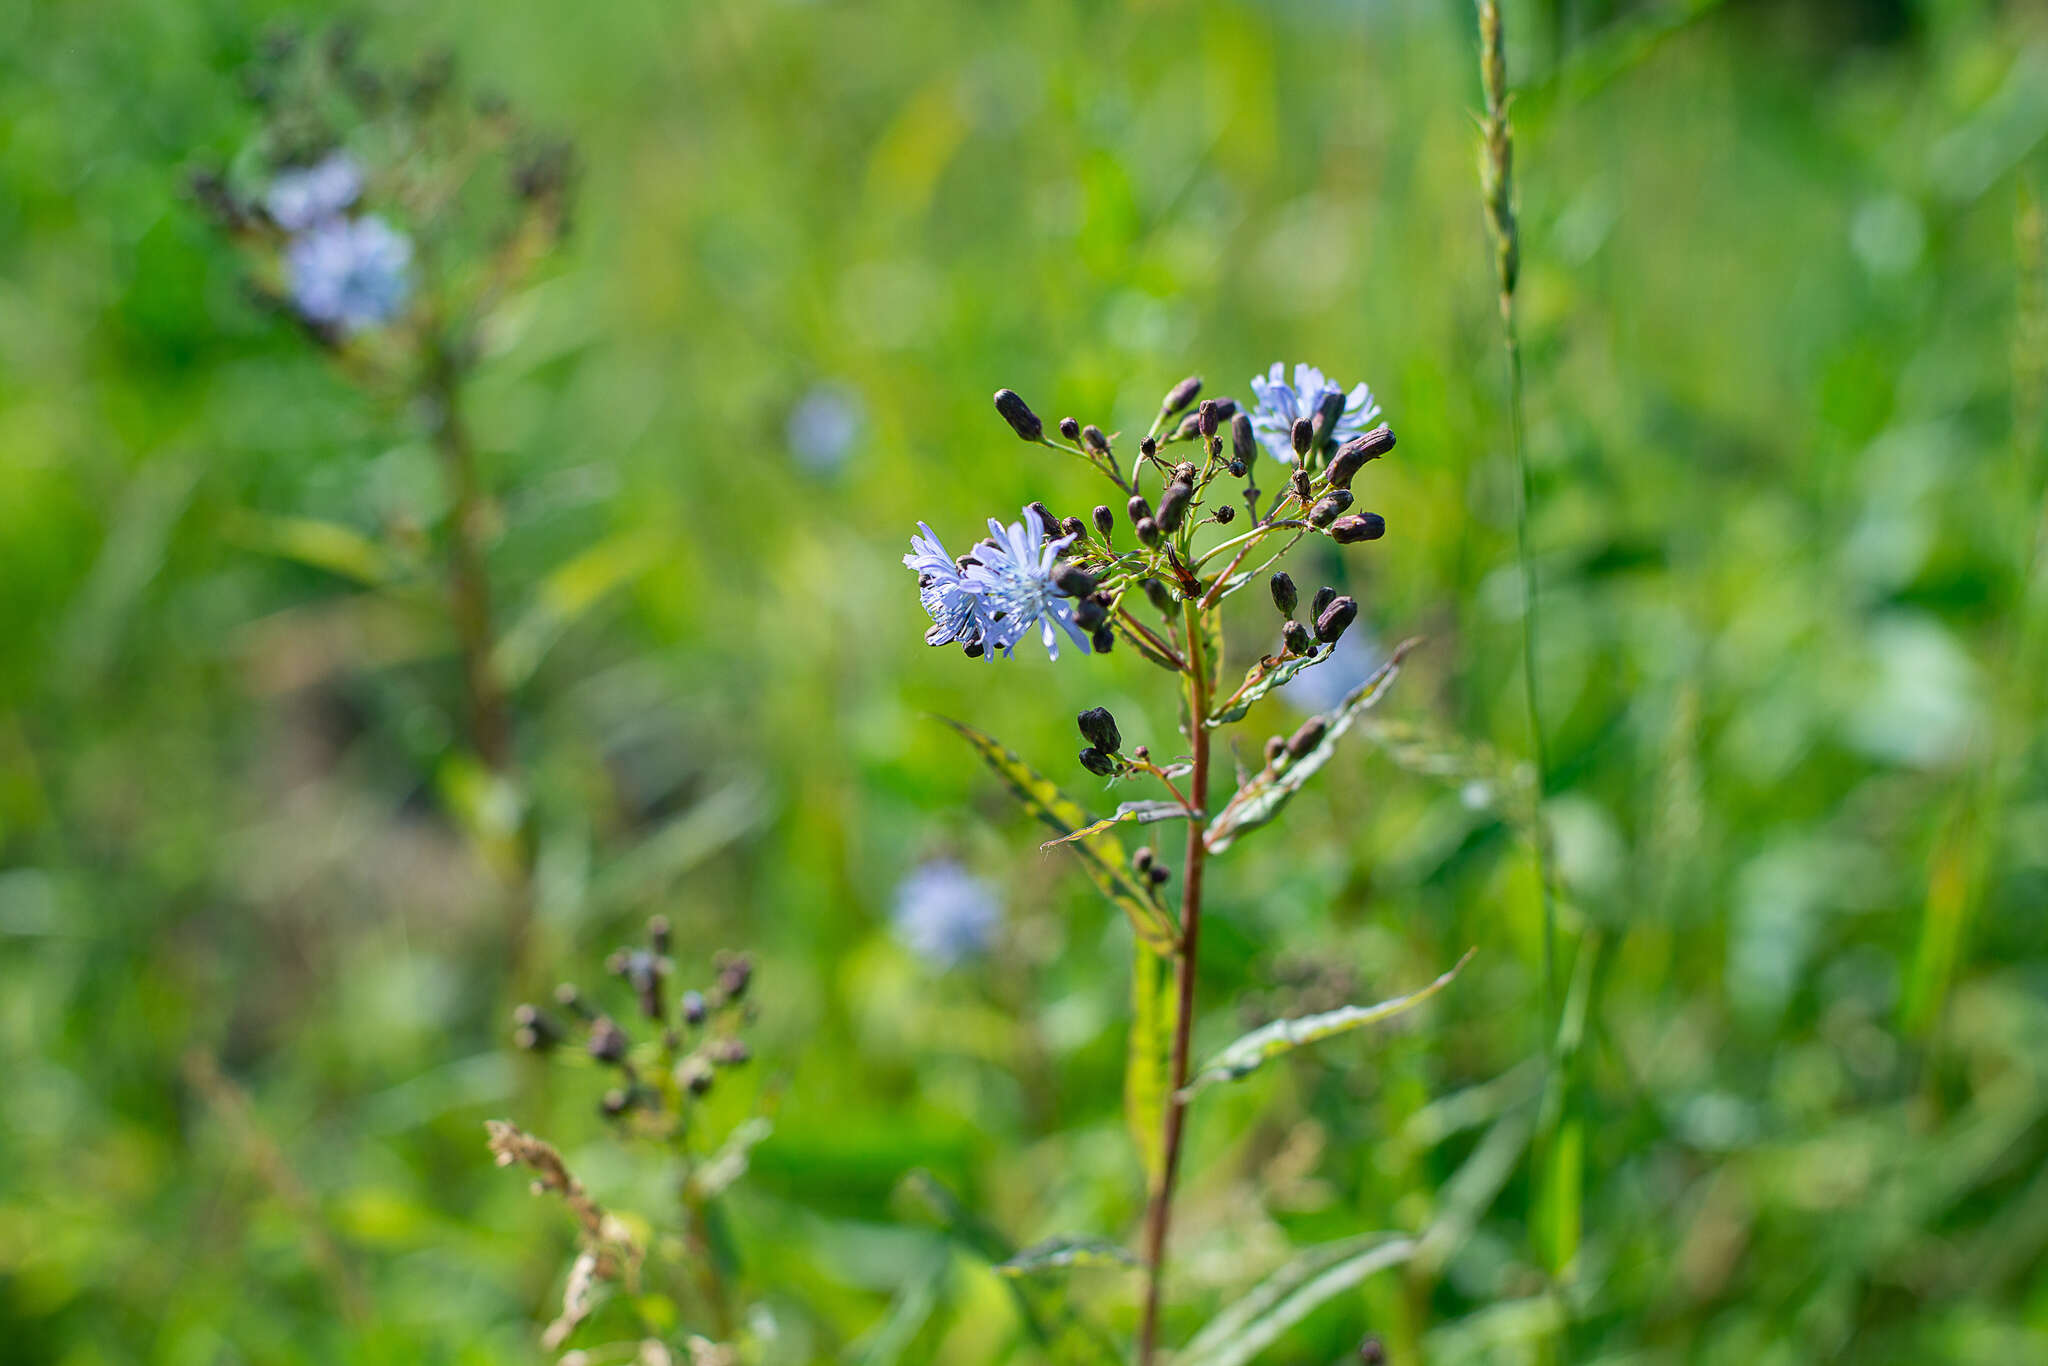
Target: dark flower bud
<point>694,1075</point>
<point>1148,448</point>
<point>1242,444</point>
<point>1072,579</point>
<point>735,973</point>
<point>1075,527</point>
<point>1353,454</point>
<point>1294,636</point>
<point>1328,413</point>
<point>1207,418</point>
<point>1018,414</point>
<point>1103,639</point>
<point>1224,515</point>
<point>1284,594</point>
<point>1308,737</point>
<point>1070,429</point>
<point>616,1102</point>
<point>1190,427</point>
<point>1372,1352</point>
<point>1304,435</point>
<point>1226,409</point>
<point>1329,507</point>
<point>1323,598</point>
<point>615,962</point>
<point>1142,753</point>
<point>1098,763</point>
<point>1332,620</point>
<point>974,649</point>
<point>1173,505</point>
<point>1298,481</point>
<point>1138,508</point>
<point>1364,526</point>
<point>1159,873</point>
<point>1105,520</point>
<point>1148,531</point>
<point>607,1040</point>
<point>1161,596</point>
<point>570,999</point>
<point>1237,468</point>
<point>1141,858</point>
<point>1098,728</point>
<point>1181,395</point>
<point>1045,518</point>
<point>1092,437</point>
<point>728,1052</point>
<point>1184,472</point>
<point>1090,614</point>
<point>533,1031</point>
<point>657,933</point>
<point>1276,745</point>
<point>694,1010</point>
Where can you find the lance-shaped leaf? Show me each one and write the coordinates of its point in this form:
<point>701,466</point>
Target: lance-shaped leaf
<point>324,545</point>
<point>1270,1041</point>
<point>1102,855</point>
<point>1259,800</point>
<point>1270,672</point>
<point>1148,1064</point>
<point>729,1163</point>
<point>1055,1254</point>
<point>1144,813</point>
<point>1290,1295</point>
<point>1210,621</point>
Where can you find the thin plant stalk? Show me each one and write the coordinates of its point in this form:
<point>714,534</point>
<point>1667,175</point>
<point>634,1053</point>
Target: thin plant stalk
<point>1159,1213</point>
<point>469,587</point>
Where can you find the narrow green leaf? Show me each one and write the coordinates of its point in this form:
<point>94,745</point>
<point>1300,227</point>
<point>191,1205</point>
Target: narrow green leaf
<point>1272,671</point>
<point>1261,799</point>
<point>1144,813</point>
<point>1212,645</point>
<point>1290,1295</point>
<point>1057,1253</point>
<point>1102,855</point>
<point>1252,1050</point>
<point>1148,1074</point>
<point>571,589</point>
<point>321,544</point>
<point>729,1163</point>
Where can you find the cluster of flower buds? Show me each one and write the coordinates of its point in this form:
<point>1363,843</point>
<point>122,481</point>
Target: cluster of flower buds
<point>693,1033</point>
<point>1329,612</point>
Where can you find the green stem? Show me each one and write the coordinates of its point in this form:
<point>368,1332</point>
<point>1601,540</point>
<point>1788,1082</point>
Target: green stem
<point>490,727</point>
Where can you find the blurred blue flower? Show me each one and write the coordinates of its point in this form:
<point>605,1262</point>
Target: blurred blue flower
<point>944,913</point>
<point>824,425</point>
<point>350,273</point>
<point>1012,574</point>
<point>955,609</point>
<point>1281,405</point>
<point>304,196</point>
<point>1321,687</point>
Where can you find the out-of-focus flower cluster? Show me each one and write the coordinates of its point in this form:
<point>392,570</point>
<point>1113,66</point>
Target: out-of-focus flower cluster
<point>944,913</point>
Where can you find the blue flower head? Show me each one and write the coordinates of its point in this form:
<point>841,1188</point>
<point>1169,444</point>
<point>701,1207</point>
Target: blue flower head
<point>824,426</point>
<point>1012,574</point>
<point>350,274</point>
<point>944,913</point>
<point>1281,405</point>
<point>308,195</point>
<point>955,608</point>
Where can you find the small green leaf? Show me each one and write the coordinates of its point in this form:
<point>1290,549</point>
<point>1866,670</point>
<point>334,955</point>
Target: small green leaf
<point>1102,855</point>
<point>1057,1253</point>
<point>571,589</point>
<point>1282,1036</point>
<point>324,545</point>
<point>1272,671</point>
<point>1261,799</point>
<point>1289,1295</point>
<point>1148,1075</point>
<point>729,1163</point>
<point>1144,813</point>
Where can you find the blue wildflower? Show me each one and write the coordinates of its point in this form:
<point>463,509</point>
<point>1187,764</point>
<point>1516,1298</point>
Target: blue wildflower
<point>1321,687</point>
<point>308,195</point>
<point>1281,405</point>
<point>955,608</point>
<point>944,913</point>
<point>824,426</point>
<point>350,273</point>
<point>1012,574</point>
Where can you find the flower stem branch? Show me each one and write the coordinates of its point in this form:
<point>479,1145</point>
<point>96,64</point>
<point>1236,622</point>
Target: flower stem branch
<point>490,726</point>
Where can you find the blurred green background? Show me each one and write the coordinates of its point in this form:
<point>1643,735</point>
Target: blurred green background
<point>1786,318</point>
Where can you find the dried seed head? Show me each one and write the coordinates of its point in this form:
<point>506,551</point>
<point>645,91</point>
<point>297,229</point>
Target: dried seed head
<point>1173,505</point>
<point>1098,728</point>
<point>1181,395</point>
<point>1323,598</point>
<point>1329,507</point>
<point>1070,429</point>
<point>1284,595</point>
<point>1352,456</point>
<point>1308,737</point>
<point>1208,417</point>
<point>1295,638</point>
<point>1298,481</point>
<point>1105,520</point>
<point>1304,435</point>
<point>1363,526</point>
<point>1148,531</point>
<point>1018,414</point>
<point>1224,515</point>
<point>1332,620</point>
<point>1242,443</point>
<point>1072,579</point>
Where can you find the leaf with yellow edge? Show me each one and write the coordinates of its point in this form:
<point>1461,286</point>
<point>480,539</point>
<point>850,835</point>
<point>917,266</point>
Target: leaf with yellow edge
<point>1148,1075</point>
<point>1144,813</point>
<point>1056,1254</point>
<point>324,545</point>
<point>1101,855</point>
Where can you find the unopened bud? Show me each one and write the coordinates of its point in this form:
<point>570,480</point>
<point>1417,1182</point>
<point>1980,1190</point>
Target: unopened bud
<point>1098,763</point>
<point>1276,745</point>
<point>1148,448</point>
<point>657,933</point>
<point>1161,597</point>
<point>1148,531</point>
<point>1242,443</point>
<point>735,973</point>
<point>1323,598</point>
<point>695,1011</point>
<point>1072,579</point>
<point>1181,395</point>
<point>1048,524</point>
<point>1090,614</point>
<point>728,1052</point>
<point>1093,439</point>
<point>534,1031</point>
<point>1138,508</point>
<point>1159,873</point>
<point>1224,515</point>
<point>1332,620</point>
<point>1073,526</point>
<point>607,1040</point>
<point>1190,427</point>
<point>1285,597</point>
<point>1173,506</point>
<point>1304,435</point>
<point>1070,429</point>
<point>1308,737</point>
<point>1141,858</point>
<point>1364,526</point>
<point>1103,639</point>
<point>1226,409</point>
<point>1328,413</point>
<point>1329,507</point>
<point>1295,638</point>
<point>1352,456</point>
<point>694,1075</point>
<point>1098,728</point>
<point>1237,468</point>
<point>1372,1352</point>
<point>1018,414</point>
<point>1207,418</point>
<point>1105,520</point>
